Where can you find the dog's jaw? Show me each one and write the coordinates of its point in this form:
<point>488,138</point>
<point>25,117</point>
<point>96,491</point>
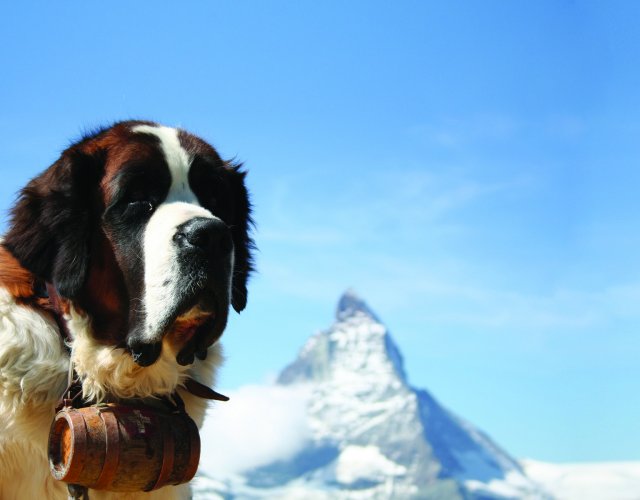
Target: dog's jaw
<point>109,372</point>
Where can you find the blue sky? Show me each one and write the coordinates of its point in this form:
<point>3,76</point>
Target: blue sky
<point>470,168</point>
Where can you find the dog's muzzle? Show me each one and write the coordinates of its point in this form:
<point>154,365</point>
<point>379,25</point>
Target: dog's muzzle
<point>195,319</point>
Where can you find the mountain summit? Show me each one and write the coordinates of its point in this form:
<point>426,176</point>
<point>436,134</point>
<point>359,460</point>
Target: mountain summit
<point>350,304</point>
<point>357,346</point>
<point>372,435</point>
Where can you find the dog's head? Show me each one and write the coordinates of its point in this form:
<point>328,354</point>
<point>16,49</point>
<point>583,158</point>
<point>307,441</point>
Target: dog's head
<point>146,230</point>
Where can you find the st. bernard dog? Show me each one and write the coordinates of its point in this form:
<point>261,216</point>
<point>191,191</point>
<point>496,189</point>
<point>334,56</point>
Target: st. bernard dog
<point>122,258</point>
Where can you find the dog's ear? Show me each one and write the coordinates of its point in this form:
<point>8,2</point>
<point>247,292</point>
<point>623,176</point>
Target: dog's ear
<point>50,225</point>
<point>242,241</point>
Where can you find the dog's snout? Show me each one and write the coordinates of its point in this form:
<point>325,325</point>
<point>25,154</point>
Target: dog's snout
<point>208,234</point>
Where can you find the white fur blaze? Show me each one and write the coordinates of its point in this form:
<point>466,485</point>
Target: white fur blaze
<point>161,273</point>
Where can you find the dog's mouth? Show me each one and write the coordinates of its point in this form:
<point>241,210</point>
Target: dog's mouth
<point>187,325</point>
<point>195,326</point>
<point>196,330</point>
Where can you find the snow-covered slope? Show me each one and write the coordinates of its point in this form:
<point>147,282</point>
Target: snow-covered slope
<point>369,434</point>
<point>587,481</point>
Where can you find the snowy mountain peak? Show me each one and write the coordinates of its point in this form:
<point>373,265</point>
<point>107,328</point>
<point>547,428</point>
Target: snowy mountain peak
<point>350,304</point>
<point>369,434</point>
<point>356,347</point>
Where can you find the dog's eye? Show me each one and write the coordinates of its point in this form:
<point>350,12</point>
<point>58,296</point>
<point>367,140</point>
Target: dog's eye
<point>142,205</point>
<point>139,207</point>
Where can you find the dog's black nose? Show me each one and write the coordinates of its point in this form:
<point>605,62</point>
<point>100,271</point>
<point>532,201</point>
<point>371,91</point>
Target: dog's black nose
<point>208,234</point>
<point>145,354</point>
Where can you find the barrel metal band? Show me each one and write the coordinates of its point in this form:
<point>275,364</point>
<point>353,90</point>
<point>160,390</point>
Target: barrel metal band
<point>194,452</point>
<point>168,452</point>
<point>77,427</point>
<point>111,449</point>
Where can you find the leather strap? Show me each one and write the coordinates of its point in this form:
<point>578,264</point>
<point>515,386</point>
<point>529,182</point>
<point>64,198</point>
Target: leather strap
<point>77,492</point>
<point>58,314</point>
<point>202,391</point>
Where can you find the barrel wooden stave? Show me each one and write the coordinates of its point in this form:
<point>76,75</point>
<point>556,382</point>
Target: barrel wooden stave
<point>127,449</point>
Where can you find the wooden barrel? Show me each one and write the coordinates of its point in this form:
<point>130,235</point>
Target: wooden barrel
<point>123,448</point>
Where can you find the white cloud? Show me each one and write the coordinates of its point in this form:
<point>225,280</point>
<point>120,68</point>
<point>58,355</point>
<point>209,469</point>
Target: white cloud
<point>259,424</point>
<point>453,293</point>
<point>588,481</point>
<point>382,208</point>
<point>457,131</point>
<point>358,463</point>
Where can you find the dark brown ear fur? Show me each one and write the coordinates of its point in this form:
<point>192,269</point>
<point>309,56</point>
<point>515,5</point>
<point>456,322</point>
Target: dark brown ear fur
<point>243,244</point>
<point>50,226</point>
